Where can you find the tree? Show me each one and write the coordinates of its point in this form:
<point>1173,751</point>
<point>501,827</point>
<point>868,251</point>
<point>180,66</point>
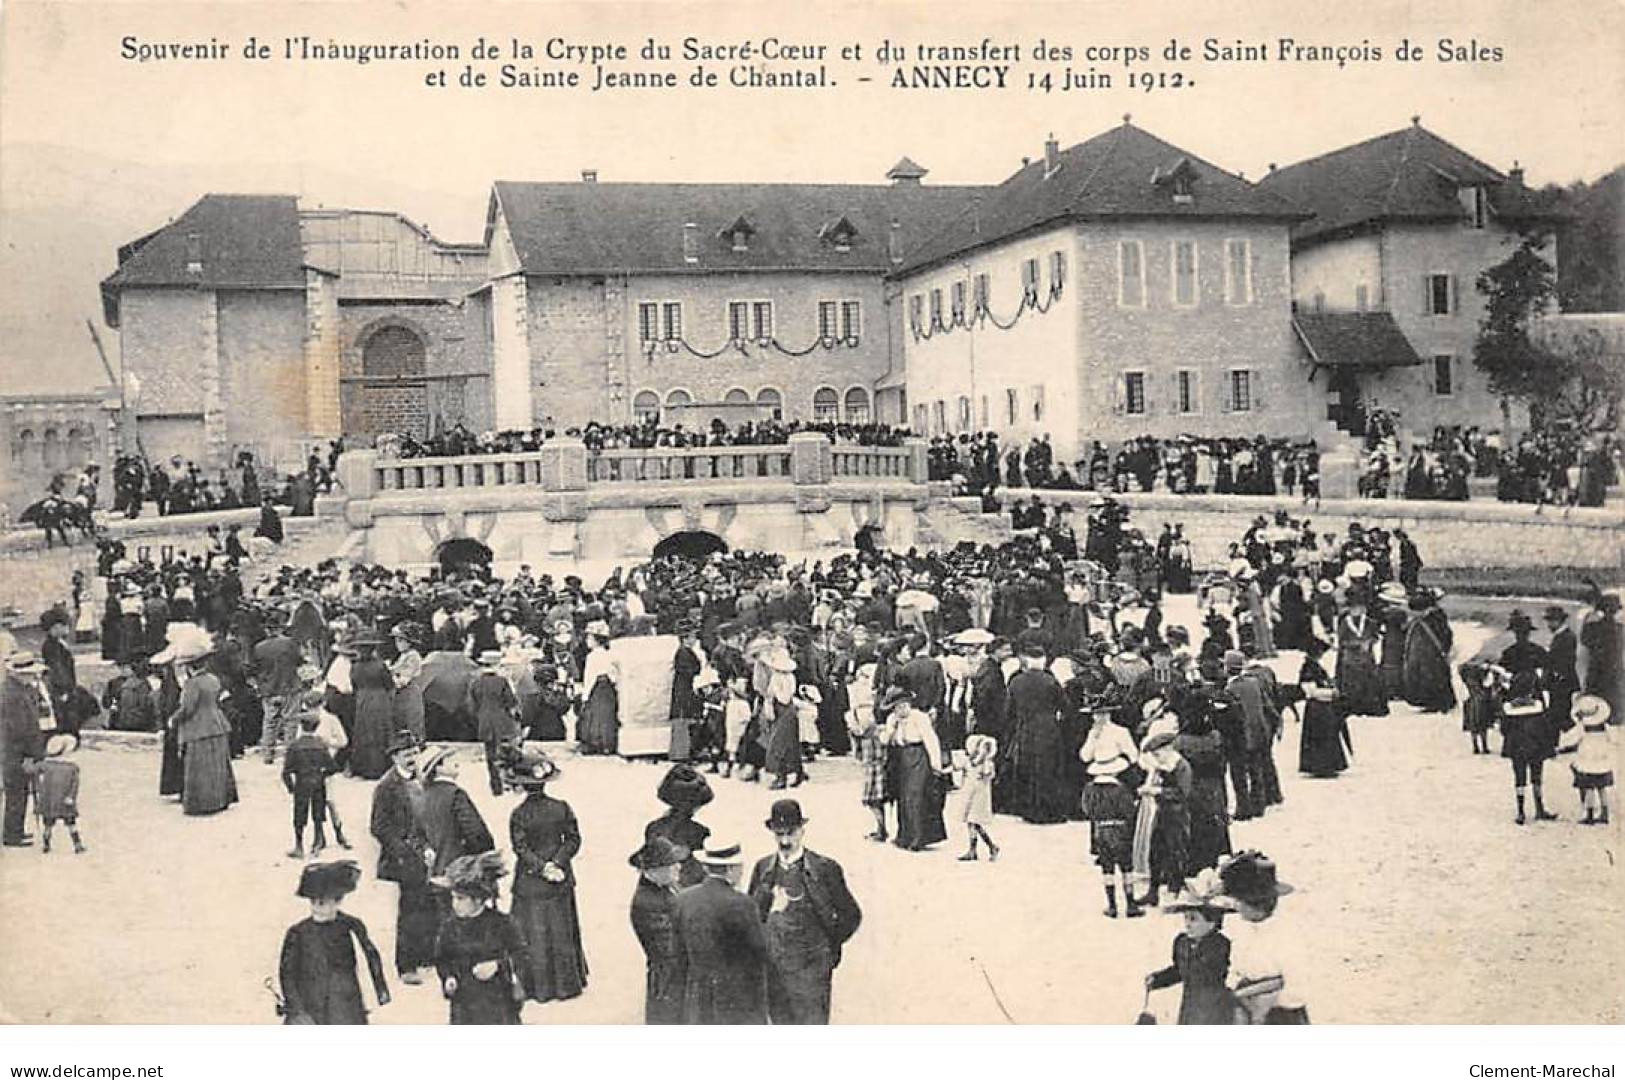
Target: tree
<point>1570,381</point>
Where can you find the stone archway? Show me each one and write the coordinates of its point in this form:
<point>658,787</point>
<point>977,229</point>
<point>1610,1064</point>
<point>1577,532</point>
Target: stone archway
<point>390,394</point>
<point>461,554</point>
<point>696,544</point>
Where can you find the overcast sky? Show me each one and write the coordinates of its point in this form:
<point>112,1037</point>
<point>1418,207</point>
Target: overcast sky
<point>120,147</point>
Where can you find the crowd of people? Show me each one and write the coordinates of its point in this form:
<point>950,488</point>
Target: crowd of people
<point>644,435</point>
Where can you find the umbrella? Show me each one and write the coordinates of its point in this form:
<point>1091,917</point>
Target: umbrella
<point>446,676</point>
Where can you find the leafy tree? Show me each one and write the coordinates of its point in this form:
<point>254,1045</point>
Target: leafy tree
<point>1572,380</point>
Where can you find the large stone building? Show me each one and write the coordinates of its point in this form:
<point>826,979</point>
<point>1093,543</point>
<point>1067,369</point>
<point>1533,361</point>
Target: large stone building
<point>1118,287</point>
<point>44,435</point>
<point>1384,274</point>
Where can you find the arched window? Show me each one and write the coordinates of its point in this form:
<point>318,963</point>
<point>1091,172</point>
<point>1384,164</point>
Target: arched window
<point>55,455</point>
<point>79,446</point>
<point>736,396</point>
<point>770,399</point>
<point>826,405</point>
<point>646,406</point>
<point>393,352</point>
<point>857,405</point>
<point>678,399</point>
<point>25,450</point>
<point>941,417</point>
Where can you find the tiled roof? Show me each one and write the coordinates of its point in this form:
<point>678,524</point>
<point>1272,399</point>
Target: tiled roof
<point>1355,339</point>
<point>1121,173</point>
<point>1405,175</point>
<point>597,228</point>
<point>243,242</point>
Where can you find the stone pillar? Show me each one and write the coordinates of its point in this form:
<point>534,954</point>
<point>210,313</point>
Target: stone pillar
<point>511,380</point>
<point>564,480</point>
<point>357,476</point>
<point>1339,474</point>
<point>322,347</point>
<point>214,413</point>
<point>809,458</point>
<point>920,465</point>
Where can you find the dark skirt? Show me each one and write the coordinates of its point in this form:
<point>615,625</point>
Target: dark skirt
<point>551,931</point>
<point>598,729</point>
<point>171,773</point>
<point>410,714</point>
<point>784,741</point>
<point>919,799</point>
<point>1037,789</point>
<point>1209,824</point>
<point>546,720</point>
<point>209,785</point>
<point>374,724</point>
<point>1592,781</point>
<point>1320,750</point>
<point>1111,810</point>
<point>1359,681</point>
<point>418,914</point>
<point>1426,677</point>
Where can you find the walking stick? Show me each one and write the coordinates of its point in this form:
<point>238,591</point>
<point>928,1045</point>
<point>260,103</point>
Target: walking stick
<point>995,992</point>
<point>1146,1016</point>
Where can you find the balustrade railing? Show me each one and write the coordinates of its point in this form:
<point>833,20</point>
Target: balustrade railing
<point>698,464</point>
<point>872,463</point>
<point>449,473</point>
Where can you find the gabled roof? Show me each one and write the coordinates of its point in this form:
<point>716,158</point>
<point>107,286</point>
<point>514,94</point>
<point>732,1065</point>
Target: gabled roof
<point>906,169</point>
<point>243,242</point>
<point>611,228</point>
<point>1113,175</point>
<point>1406,175</point>
<point>1354,339</point>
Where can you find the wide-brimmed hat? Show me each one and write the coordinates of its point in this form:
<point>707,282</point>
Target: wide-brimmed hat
<point>1160,733</point>
<point>431,758</point>
<point>896,696</point>
<point>1392,592</point>
<point>973,637</point>
<point>785,814</point>
<point>490,658</point>
<point>1112,766</point>
<point>683,788</point>
<point>1204,892</point>
<point>328,880</point>
<point>24,662</point>
<point>476,875</point>
<point>1250,878</point>
<point>64,743</point>
<point>656,852</point>
<point>1234,660</point>
<point>980,747</point>
<point>1325,586</point>
<point>1153,707</point>
<point>721,853</point>
<point>1554,613</point>
<point>534,768</point>
<point>1590,709</point>
<point>1519,621</point>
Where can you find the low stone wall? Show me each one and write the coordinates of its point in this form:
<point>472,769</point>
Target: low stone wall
<point>1449,534</point>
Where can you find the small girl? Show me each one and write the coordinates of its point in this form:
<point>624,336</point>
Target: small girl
<point>1593,765</point>
<point>56,791</point>
<point>1201,960</point>
<point>1479,711</point>
<point>317,972</point>
<point>479,953</point>
<point>735,722</point>
<point>980,754</point>
<point>873,735</point>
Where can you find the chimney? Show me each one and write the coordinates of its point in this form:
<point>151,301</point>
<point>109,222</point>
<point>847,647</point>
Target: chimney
<point>1025,161</point>
<point>1516,174</point>
<point>976,212</point>
<point>194,253</point>
<point>894,242</point>
<point>589,176</point>
<point>1272,166</point>
<point>1052,156</point>
<point>691,242</point>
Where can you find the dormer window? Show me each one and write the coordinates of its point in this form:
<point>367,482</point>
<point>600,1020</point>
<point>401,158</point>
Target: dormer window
<point>1179,181</point>
<point>739,233</point>
<point>839,233</point>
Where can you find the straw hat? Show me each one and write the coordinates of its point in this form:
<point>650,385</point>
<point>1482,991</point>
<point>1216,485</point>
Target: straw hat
<point>721,853</point>
<point>1590,710</point>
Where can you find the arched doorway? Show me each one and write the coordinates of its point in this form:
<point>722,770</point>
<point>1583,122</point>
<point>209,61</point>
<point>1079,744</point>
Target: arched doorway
<point>695,544</point>
<point>463,555</point>
<point>391,395</point>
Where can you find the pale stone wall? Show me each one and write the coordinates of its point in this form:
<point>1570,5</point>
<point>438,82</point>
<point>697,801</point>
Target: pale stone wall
<point>262,369</point>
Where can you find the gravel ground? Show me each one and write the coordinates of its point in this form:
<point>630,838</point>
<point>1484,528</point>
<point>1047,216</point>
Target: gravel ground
<point>1419,900</point>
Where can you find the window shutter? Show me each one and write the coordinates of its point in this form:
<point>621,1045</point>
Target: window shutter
<point>1455,296</point>
<point>1121,405</point>
<point>1427,294</point>
<point>1256,381</point>
<point>1227,391</point>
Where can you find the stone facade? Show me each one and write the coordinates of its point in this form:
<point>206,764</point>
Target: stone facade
<point>43,436</point>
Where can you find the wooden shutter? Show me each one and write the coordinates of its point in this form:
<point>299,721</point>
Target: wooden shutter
<point>1455,295</point>
<point>1227,392</point>
<point>1256,388</point>
<point>1427,294</point>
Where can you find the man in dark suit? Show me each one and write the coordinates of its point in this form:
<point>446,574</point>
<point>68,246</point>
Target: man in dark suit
<point>1562,668</point>
<point>723,944</point>
<point>404,858</point>
<point>61,680</point>
<point>276,669</point>
<point>21,741</point>
<point>808,914</point>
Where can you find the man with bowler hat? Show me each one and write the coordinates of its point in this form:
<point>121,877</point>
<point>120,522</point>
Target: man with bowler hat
<point>404,858</point>
<point>808,914</point>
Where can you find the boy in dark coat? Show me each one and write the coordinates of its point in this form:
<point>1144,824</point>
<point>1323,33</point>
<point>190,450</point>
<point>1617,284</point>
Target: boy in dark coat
<point>317,971</point>
<point>56,791</point>
<point>305,770</point>
<point>723,944</point>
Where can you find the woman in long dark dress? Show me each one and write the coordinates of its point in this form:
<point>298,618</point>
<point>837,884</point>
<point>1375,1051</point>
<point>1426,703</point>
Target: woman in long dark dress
<point>1202,747</point>
<point>317,970</point>
<point>1395,621</point>
<point>407,675</point>
<point>1359,680</point>
<point>374,690</point>
<point>479,953</point>
<point>1034,701</point>
<point>1321,749</point>
<point>1292,629</point>
<point>782,737</point>
<point>1426,676</point>
<point>598,723</point>
<point>918,767</point>
<point>171,773</point>
<point>685,791</point>
<point>208,785</point>
<point>545,840</point>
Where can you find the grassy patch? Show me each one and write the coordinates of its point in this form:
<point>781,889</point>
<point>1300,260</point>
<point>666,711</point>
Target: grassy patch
<point>1553,582</point>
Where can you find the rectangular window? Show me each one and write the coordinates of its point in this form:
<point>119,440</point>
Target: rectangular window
<point>964,413</point>
<point>936,309</point>
<point>941,416</point>
<point>1362,298</point>
<point>921,419</point>
<point>1184,262</point>
<point>916,311</point>
<point>1057,271</point>
<point>1187,392</point>
<point>1134,393</point>
<point>827,311</point>
<point>1038,402</point>
<point>1029,279</point>
<point>979,293</point>
<point>738,320</point>
<point>956,301</point>
<point>1011,406</point>
<point>1238,272</point>
<point>648,321</point>
<point>1130,274</point>
<point>984,410</point>
<point>851,321</point>
<point>1443,381</point>
<point>1481,209</point>
<point>1439,294</point>
<point>761,318</point>
<point>671,314</point>
<point>1241,391</point>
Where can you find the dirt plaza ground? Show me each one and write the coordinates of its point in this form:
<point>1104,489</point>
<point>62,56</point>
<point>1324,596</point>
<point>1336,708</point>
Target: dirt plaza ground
<point>1418,900</point>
